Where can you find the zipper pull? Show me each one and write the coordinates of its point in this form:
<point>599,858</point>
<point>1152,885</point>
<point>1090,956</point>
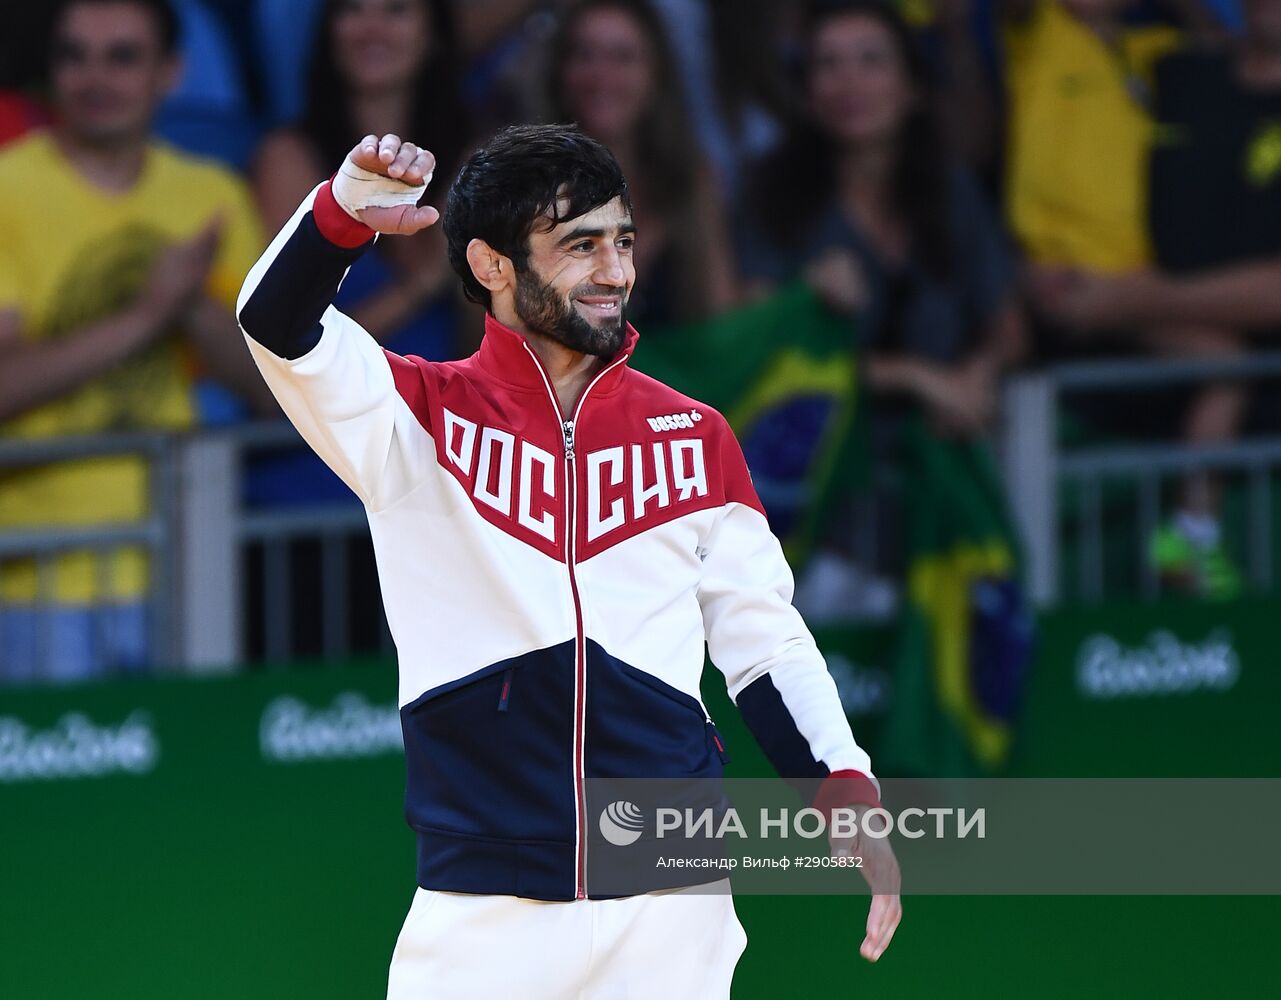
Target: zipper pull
<point>568,428</point>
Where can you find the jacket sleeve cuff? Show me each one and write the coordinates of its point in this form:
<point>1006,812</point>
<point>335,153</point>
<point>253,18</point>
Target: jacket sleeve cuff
<point>845,788</point>
<point>335,224</point>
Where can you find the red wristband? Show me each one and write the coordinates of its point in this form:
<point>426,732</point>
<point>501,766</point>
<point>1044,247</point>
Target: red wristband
<point>335,224</point>
<point>845,788</point>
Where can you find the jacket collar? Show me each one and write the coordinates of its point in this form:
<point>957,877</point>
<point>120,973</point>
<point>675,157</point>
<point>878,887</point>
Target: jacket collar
<point>508,355</point>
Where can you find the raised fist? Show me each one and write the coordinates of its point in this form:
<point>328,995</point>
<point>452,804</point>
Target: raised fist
<point>381,181</point>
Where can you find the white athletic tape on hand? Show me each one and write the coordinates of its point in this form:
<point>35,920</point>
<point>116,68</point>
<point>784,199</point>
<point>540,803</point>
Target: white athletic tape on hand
<point>355,188</point>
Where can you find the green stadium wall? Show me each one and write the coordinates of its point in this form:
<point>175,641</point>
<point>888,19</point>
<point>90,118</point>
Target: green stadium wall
<point>224,838</point>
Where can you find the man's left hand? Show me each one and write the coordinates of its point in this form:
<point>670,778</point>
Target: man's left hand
<point>881,872</point>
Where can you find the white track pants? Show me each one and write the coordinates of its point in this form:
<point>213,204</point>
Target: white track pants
<point>670,945</point>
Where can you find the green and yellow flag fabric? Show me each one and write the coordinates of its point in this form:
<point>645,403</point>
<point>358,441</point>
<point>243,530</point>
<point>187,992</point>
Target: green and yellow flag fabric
<point>784,372</point>
<point>965,630</point>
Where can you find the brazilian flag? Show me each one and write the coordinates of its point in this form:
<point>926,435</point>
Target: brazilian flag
<point>785,373</point>
<point>965,632</point>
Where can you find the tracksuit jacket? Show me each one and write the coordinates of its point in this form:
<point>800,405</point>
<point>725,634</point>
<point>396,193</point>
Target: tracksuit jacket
<point>550,578</point>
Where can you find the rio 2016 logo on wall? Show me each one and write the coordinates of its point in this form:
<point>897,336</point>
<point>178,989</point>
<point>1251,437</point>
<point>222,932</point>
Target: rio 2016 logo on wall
<point>350,727</point>
<point>77,747</point>
<point>1162,665</point>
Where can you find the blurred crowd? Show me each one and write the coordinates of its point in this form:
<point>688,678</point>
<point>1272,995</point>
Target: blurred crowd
<point>963,186</point>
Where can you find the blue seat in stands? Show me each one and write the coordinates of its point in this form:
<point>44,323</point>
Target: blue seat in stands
<point>209,113</point>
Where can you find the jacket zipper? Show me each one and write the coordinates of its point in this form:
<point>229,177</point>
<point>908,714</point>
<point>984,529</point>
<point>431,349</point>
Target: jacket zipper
<point>580,668</point>
<point>580,638</point>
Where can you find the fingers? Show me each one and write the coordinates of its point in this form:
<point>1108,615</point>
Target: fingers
<point>412,220</point>
<point>390,156</point>
<point>422,167</point>
<point>373,153</point>
<point>405,156</point>
<point>887,918</point>
<point>422,217</point>
<point>388,147</point>
<point>402,220</point>
<point>411,164</point>
<point>882,921</point>
<point>365,153</point>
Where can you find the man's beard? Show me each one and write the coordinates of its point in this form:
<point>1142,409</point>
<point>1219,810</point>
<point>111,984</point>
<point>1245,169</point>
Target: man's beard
<point>544,311</point>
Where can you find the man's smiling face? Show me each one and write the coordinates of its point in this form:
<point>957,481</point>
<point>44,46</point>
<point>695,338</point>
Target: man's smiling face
<point>578,279</point>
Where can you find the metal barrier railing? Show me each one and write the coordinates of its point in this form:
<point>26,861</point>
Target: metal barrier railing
<point>198,530</point>
<point>153,534</point>
<point>220,531</point>
<point>332,528</point>
<point>1038,472</point>
<point>195,536</point>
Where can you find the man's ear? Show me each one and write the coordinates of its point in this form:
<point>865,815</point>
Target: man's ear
<point>492,269</point>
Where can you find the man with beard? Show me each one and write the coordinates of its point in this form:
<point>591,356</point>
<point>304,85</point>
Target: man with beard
<point>557,537</point>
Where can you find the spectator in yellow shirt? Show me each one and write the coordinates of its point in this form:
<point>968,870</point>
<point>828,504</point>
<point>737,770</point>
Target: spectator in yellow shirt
<point>1216,223</point>
<point>118,274</point>
<point>1079,130</point>
<point>1082,130</point>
